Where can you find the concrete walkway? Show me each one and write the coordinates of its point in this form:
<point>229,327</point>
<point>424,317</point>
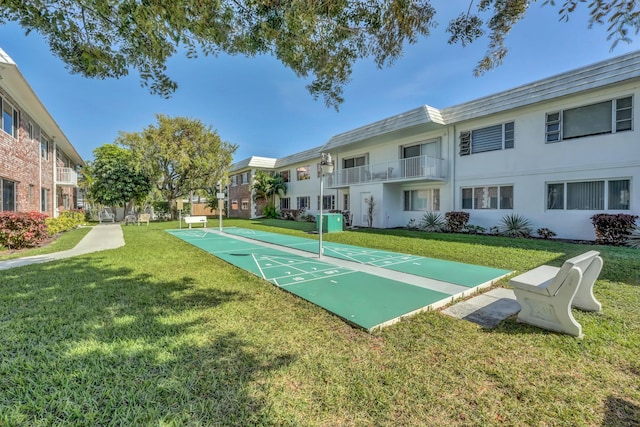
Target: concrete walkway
<point>99,238</point>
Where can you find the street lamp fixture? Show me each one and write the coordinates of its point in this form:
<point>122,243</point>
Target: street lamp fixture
<point>326,167</point>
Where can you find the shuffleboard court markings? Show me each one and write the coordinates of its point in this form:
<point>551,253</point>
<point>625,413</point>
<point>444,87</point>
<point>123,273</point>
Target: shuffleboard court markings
<point>366,300</point>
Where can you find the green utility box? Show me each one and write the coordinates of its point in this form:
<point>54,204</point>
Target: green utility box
<point>331,223</point>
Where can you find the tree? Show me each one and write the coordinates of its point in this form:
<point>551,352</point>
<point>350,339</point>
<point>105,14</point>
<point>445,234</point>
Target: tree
<point>115,179</point>
<point>266,187</point>
<point>322,39</point>
<point>181,155</point>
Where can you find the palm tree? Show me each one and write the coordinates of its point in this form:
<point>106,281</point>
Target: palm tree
<point>267,187</point>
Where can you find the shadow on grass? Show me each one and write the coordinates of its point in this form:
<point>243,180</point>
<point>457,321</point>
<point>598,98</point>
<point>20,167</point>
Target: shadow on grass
<point>621,413</point>
<point>90,345</point>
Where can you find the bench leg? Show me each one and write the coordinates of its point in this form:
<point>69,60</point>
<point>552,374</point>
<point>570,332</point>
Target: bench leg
<point>547,314</point>
<point>584,299</point>
<point>551,312</point>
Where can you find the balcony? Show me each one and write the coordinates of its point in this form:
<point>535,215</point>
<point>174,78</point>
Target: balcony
<point>67,176</point>
<point>412,169</point>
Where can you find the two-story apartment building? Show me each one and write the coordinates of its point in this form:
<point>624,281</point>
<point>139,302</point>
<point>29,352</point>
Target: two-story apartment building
<point>38,164</point>
<point>556,151</point>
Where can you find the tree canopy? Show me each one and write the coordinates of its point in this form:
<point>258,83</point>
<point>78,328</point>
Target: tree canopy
<point>115,178</point>
<point>318,39</point>
<point>180,154</point>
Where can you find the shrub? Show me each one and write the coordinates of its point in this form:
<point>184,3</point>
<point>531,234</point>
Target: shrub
<point>66,221</point>
<point>270,211</point>
<point>613,229</point>
<point>514,225</point>
<point>432,221</point>
<point>412,225</point>
<point>545,233</point>
<point>474,229</point>
<point>634,238</point>
<point>22,230</point>
<point>456,221</point>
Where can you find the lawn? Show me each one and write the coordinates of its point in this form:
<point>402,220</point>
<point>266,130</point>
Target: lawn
<point>160,333</point>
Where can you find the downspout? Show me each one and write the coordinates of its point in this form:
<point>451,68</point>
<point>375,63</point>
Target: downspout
<point>54,161</point>
<point>39,151</point>
<point>452,138</point>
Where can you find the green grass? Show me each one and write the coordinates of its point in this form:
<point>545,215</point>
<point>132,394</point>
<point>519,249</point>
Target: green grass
<point>160,333</point>
<point>66,240</point>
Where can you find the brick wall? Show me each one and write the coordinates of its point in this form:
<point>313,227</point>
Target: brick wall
<point>21,162</point>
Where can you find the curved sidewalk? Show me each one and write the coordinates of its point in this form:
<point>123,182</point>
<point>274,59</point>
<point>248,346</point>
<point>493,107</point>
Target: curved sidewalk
<point>101,237</point>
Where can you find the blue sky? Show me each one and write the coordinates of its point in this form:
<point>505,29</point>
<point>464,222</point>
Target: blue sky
<point>265,109</point>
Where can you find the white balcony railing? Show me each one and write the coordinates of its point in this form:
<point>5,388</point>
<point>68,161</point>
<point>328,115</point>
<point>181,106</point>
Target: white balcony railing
<point>414,168</point>
<point>67,176</point>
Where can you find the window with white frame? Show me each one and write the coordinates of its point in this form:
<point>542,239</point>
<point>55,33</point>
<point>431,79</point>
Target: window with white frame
<point>610,194</point>
<point>44,199</point>
<point>422,200</point>
<point>234,180</point>
<point>345,202</point>
<point>303,202</point>
<point>245,177</point>
<point>285,203</point>
<point>244,204</point>
<point>329,202</point>
<point>234,204</point>
<point>44,148</point>
<point>9,118</point>
<point>8,195</point>
<point>497,137</point>
<point>303,173</point>
<point>487,197</point>
<point>596,119</point>
<point>285,175</point>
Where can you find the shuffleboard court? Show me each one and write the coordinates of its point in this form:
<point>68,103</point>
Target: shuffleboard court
<point>363,299</point>
<point>458,273</point>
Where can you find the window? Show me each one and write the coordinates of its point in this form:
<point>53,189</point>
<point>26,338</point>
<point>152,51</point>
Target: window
<point>245,177</point>
<point>595,119</point>
<point>65,201</point>
<point>234,204</point>
<point>422,200</point>
<point>303,203</point>
<point>285,203</point>
<point>498,137</point>
<point>345,202</point>
<point>44,148</point>
<point>589,195</point>
<point>285,175</point>
<point>429,148</point>
<point>354,162</point>
<point>245,205</point>
<point>329,202</point>
<point>489,197</point>
<point>44,200</point>
<point>8,195</point>
<point>9,118</point>
<point>303,173</point>
<point>234,181</point>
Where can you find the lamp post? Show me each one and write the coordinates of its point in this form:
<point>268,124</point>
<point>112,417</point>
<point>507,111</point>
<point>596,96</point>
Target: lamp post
<point>326,167</point>
<point>220,196</point>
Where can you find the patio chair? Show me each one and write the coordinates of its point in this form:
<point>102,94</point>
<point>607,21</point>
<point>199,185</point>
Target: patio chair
<point>106,216</point>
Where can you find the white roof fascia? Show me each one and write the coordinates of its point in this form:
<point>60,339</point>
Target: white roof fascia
<point>312,153</point>
<point>595,76</point>
<point>14,83</point>
<point>253,162</point>
<point>424,115</point>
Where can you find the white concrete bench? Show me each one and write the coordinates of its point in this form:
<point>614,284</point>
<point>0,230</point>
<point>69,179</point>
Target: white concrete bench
<point>546,294</point>
<point>200,219</point>
<point>145,217</point>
